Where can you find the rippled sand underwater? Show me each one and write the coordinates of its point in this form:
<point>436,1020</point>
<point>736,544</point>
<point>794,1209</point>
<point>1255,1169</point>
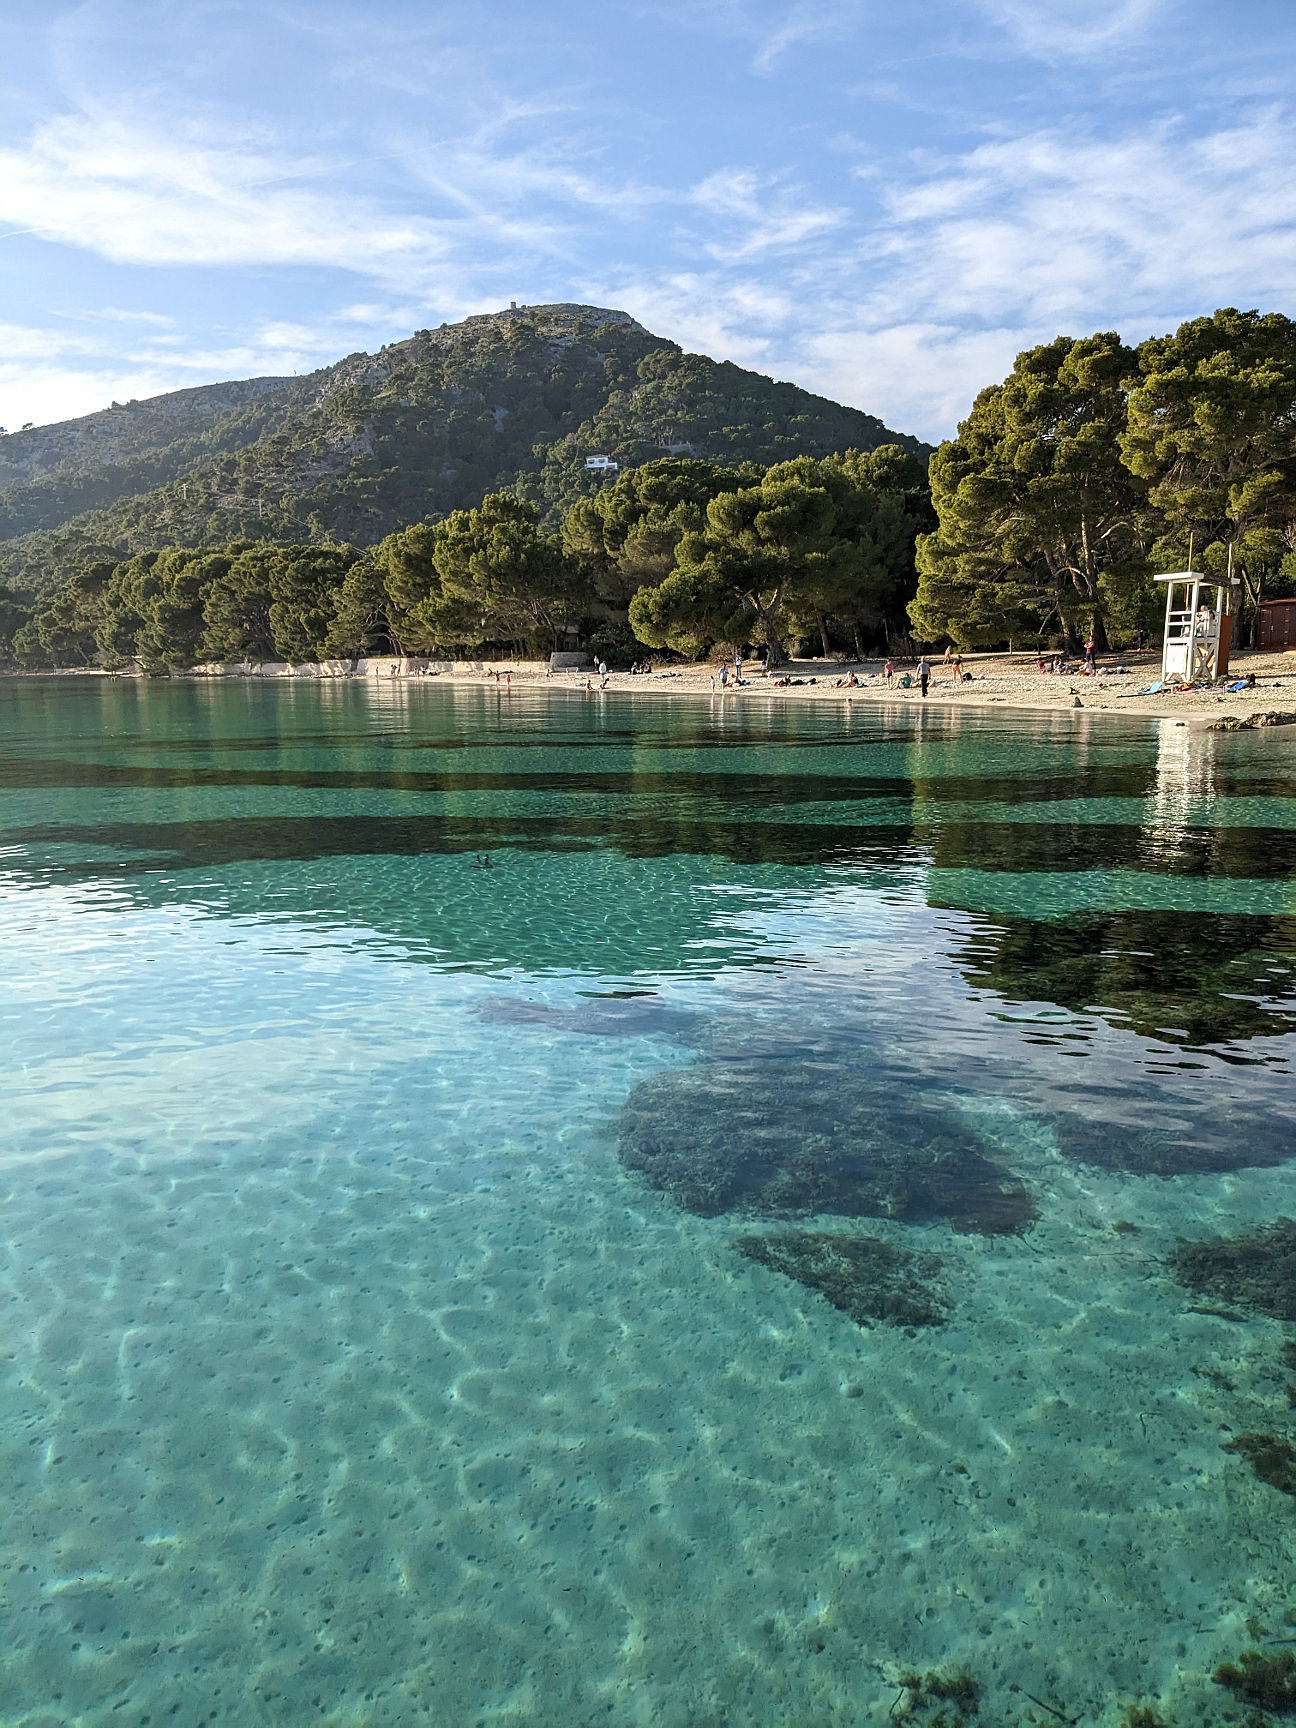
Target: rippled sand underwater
<point>617,1213</point>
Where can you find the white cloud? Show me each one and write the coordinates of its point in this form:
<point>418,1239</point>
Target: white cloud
<point>760,219</point>
<point>918,377</point>
<point>1071,29</point>
<point>703,312</point>
<point>115,315</point>
<point>138,198</point>
<point>803,24</point>
<point>770,30</point>
<point>1051,229</point>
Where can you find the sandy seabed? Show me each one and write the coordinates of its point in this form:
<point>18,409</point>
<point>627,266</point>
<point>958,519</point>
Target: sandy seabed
<point>365,1397</point>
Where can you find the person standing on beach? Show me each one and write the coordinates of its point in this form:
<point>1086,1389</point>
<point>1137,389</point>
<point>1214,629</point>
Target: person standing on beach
<point>889,671</point>
<point>924,675</point>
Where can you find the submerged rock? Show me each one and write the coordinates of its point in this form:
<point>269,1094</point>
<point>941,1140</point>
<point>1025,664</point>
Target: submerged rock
<point>1182,1145</point>
<point>1268,1682</point>
<point>867,1279</point>
<point>1272,1459</point>
<point>788,1141</point>
<point>1256,1272</point>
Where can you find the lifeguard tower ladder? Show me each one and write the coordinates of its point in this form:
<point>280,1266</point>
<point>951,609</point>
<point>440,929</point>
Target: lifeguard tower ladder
<point>1197,634</point>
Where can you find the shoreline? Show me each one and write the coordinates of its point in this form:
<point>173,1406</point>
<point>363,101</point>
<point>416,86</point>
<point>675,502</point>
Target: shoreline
<point>1002,681</point>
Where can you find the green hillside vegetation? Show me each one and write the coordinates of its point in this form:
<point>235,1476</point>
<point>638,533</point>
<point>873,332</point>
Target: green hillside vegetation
<point>513,401</point>
<point>689,553</point>
<point>50,475</point>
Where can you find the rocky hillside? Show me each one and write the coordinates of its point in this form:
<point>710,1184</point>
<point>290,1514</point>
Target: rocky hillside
<point>514,399</point>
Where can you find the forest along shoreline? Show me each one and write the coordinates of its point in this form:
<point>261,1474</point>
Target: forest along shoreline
<point>993,681</point>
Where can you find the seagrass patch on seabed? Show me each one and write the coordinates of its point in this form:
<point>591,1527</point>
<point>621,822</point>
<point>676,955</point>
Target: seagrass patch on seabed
<point>869,1280</point>
<point>788,1141</point>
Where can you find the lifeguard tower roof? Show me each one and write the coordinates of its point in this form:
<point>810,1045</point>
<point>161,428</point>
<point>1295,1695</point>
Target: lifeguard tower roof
<point>1200,576</point>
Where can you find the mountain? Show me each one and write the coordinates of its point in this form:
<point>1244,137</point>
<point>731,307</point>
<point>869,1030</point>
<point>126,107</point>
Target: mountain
<point>506,400</point>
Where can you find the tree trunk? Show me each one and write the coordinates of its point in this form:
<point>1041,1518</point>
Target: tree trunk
<point>859,646</point>
<point>777,653</point>
<point>1098,630</point>
<point>823,638</point>
<point>1071,643</point>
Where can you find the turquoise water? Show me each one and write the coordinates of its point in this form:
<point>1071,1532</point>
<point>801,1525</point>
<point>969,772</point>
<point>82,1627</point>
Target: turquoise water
<point>409,1096</point>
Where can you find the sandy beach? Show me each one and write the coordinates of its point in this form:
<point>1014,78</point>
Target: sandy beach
<point>1009,680</point>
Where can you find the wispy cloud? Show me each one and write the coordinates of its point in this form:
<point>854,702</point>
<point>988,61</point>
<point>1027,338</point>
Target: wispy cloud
<point>1052,227</point>
<point>114,315</point>
<point>739,320</point>
<point>143,198</point>
<point>803,24</point>
<point>767,28</point>
<point>760,218</point>
<point>1073,29</point>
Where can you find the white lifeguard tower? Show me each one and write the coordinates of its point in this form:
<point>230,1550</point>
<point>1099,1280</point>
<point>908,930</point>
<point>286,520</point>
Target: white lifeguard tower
<point>1197,633</point>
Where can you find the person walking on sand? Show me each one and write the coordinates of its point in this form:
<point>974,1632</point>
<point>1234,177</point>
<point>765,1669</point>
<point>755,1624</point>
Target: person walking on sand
<point>924,675</point>
<point>889,672</point>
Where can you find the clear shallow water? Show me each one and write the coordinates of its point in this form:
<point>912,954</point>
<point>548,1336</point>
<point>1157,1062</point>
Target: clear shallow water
<point>361,1362</point>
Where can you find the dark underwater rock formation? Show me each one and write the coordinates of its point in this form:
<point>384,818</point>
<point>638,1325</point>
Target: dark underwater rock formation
<point>1256,1272</point>
<point>791,1139</point>
<point>1273,1459</point>
<point>1267,1682</point>
<point>869,1280</point>
<point>1173,1141</point>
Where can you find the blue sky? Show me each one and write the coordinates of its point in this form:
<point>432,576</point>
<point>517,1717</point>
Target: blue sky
<point>881,201</point>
